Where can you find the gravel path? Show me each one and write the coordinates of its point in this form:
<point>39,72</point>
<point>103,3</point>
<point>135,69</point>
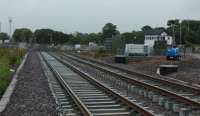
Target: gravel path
<point>32,96</point>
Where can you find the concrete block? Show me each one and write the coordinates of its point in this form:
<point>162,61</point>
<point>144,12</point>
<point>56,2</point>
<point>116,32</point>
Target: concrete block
<point>185,112</point>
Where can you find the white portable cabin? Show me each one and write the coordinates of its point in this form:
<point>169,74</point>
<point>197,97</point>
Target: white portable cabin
<point>77,46</point>
<point>136,50</point>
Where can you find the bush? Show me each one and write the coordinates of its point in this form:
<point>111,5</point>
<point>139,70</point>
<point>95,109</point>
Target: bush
<point>160,47</point>
<point>9,57</point>
<point>100,52</point>
<point>4,74</point>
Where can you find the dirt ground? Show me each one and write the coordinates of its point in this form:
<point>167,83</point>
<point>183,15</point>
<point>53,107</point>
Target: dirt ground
<point>188,66</point>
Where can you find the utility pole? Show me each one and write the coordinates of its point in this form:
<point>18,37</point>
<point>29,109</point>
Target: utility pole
<point>51,38</point>
<point>0,27</point>
<point>180,32</point>
<point>174,41</point>
<point>10,24</point>
<point>188,26</point>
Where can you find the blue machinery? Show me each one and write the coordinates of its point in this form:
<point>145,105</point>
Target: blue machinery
<point>173,53</point>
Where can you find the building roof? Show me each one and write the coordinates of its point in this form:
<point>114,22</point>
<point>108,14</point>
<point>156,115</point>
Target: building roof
<point>154,32</point>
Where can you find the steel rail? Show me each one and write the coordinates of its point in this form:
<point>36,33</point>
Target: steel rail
<point>144,84</point>
<point>106,89</point>
<point>84,110</point>
<point>146,76</point>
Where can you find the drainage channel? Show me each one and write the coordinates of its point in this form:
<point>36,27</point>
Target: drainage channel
<point>97,101</point>
<point>176,106</point>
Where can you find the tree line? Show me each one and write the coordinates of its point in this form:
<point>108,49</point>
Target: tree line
<point>186,31</point>
<point>47,36</point>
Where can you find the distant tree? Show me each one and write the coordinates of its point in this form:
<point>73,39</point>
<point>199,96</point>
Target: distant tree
<point>160,47</point>
<point>100,39</point>
<point>59,37</point>
<point>188,38</point>
<point>47,36</point>
<point>17,35</point>
<point>146,28</point>
<point>172,22</point>
<point>136,37</point>
<point>160,28</point>
<point>4,36</point>
<point>95,37</point>
<point>197,36</point>
<point>128,37</point>
<point>139,37</point>
<point>81,38</point>
<point>23,35</point>
<point>191,31</point>
<point>44,36</point>
<point>188,44</point>
<point>174,29</point>
<point>110,30</point>
<point>118,45</point>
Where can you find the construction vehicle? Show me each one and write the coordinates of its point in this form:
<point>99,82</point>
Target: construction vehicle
<point>173,53</point>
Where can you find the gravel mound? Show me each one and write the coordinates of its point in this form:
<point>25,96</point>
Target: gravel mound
<point>32,96</point>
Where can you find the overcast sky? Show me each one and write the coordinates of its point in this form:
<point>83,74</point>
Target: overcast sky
<point>91,15</point>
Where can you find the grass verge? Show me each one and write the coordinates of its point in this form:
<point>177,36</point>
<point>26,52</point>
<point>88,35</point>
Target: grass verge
<point>10,58</point>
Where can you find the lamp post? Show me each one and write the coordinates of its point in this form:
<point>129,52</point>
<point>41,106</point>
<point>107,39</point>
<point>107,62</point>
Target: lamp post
<point>0,27</point>
<point>51,38</point>
<point>10,24</point>
<point>180,32</point>
<point>134,39</point>
<point>174,41</point>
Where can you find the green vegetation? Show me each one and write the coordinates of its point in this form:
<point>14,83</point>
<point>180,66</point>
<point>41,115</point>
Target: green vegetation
<point>9,58</point>
<point>118,45</point>
<point>101,52</point>
<point>160,47</point>
<point>4,36</point>
<point>190,32</point>
<point>23,35</point>
<point>110,30</point>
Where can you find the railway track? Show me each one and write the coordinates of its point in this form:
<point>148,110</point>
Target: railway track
<point>87,94</point>
<point>184,97</point>
<point>163,79</point>
<point>65,103</point>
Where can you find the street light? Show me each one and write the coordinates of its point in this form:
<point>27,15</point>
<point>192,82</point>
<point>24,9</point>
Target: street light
<point>10,24</point>
<point>134,39</point>
<point>180,32</point>
<point>51,38</point>
<point>0,27</point>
